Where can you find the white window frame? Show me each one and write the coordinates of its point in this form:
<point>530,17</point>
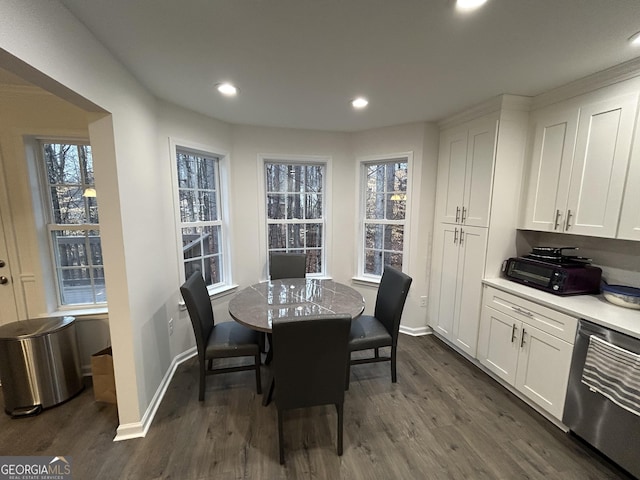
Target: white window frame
<point>362,164</point>
<point>288,159</point>
<point>224,211</point>
<point>49,226</point>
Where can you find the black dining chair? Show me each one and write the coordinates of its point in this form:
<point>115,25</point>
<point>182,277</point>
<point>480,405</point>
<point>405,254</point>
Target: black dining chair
<point>222,340</point>
<point>287,265</point>
<point>381,330</point>
<point>310,362</point>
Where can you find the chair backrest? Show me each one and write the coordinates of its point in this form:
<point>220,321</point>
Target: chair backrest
<point>310,359</point>
<point>196,297</point>
<point>392,294</point>
<point>287,265</point>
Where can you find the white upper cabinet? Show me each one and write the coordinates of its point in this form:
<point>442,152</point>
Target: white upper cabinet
<point>465,170</point>
<point>629,227</point>
<point>550,171</point>
<point>578,165</point>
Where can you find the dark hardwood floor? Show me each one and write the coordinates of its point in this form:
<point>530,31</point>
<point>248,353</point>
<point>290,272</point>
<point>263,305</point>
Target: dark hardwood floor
<point>444,419</point>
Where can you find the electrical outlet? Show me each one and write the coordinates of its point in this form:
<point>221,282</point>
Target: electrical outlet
<point>170,326</point>
<point>423,301</point>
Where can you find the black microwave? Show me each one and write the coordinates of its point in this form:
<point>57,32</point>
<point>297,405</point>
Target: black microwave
<point>562,279</point>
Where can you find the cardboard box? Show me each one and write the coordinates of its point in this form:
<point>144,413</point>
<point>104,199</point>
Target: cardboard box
<point>104,382</point>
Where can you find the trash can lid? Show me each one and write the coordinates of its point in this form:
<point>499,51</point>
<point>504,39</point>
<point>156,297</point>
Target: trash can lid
<point>33,327</point>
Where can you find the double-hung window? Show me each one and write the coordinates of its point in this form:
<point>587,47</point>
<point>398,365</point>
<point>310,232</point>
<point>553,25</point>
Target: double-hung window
<point>73,229</point>
<point>201,223</point>
<point>383,214</point>
<point>295,207</point>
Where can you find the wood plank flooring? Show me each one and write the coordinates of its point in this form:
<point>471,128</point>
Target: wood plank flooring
<point>444,419</point>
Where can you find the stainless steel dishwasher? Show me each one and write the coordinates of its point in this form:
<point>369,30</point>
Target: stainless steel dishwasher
<point>609,427</point>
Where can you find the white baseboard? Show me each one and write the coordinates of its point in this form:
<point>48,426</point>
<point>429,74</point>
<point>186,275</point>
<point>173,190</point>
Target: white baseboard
<point>416,332</point>
<point>128,431</point>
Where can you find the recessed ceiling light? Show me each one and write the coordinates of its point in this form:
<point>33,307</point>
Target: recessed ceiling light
<point>635,39</point>
<point>360,102</point>
<point>467,5</point>
<point>227,89</point>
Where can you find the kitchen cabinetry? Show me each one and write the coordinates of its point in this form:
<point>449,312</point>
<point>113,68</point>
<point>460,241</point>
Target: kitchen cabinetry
<point>465,169</point>
<point>629,228</point>
<point>458,265</point>
<point>578,164</point>
<point>527,345</point>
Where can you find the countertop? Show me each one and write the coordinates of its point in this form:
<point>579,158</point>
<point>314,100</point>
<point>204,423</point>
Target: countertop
<point>589,307</point>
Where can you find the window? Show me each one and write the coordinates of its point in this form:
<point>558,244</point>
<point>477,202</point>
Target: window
<point>74,232</point>
<point>384,212</point>
<point>295,211</point>
<point>201,224</point>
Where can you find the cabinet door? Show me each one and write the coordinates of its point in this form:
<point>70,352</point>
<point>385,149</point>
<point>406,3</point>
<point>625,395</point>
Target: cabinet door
<point>479,172</point>
<point>603,145</point>
<point>498,345</point>
<point>629,228</point>
<point>543,369</point>
<point>471,257</point>
<point>444,278</point>
<point>452,163</point>
<point>550,170</point>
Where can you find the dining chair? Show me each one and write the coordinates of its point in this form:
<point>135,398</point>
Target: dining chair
<point>381,330</point>
<point>221,340</point>
<point>287,265</point>
<point>310,360</point>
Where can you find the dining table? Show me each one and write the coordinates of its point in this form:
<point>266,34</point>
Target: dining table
<point>258,305</point>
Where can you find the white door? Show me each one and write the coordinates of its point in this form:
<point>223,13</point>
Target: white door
<point>603,145</point>
<point>479,172</point>
<point>550,169</point>
<point>543,369</point>
<point>8,312</point>
<point>445,272</point>
<point>498,343</point>
<point>452,163</point>
<point>473,242</point>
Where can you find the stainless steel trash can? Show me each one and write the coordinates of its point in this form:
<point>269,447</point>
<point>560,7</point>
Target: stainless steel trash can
<point>39,364</point>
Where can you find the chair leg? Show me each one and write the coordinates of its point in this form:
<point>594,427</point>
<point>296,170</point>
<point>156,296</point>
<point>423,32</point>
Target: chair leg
<point>258,379</point>
<point>340,411</point>
<point>376,353</point>
<point>210,365</point>
<point>202,380</point>
<point>280,437</point>
<point>394,377</point>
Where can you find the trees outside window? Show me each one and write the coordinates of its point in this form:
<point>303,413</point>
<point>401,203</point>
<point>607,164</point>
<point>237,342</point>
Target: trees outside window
<point>384,212</point>
<point>201,223</point>
<point>295,206</point>
<point>73,224</point>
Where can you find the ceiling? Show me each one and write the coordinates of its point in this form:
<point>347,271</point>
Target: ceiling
<point>298,63</point>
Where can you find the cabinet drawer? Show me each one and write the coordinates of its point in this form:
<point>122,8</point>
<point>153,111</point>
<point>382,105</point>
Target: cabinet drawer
<point>546,319</point>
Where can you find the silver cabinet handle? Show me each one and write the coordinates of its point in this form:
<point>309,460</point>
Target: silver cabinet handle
<point>464,215</point>
<point>455,236</point>
<point>523,312</point>
<point>522,338</point>
<point>457,214</point>
<point>513,333</point>
<point>461,236</point>
<point>556,224</point>
<point>567,225</point>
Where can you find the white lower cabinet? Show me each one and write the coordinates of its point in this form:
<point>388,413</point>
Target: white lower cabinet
<point>528,346</point>
<point>458,265</point>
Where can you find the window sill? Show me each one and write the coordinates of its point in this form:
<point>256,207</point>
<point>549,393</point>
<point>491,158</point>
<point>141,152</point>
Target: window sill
<point>79,313</point>
<point>366,281</point>
<point>214,294</point>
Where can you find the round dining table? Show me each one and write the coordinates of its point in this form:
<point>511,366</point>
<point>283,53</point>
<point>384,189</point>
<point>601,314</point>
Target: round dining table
<point>259,305</point>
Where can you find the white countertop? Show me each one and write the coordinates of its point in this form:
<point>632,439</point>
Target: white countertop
<point>589,307</point>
